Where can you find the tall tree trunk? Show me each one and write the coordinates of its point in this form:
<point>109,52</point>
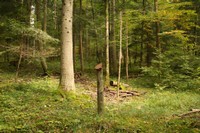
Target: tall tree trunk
<point>44,27</point>
<point>113,40</point>
<point>87,45</point>
<point>67,68</point>
<point>74,39</point>
<point>148,56</point>
<point>74,50</point>
<point>40,45</point>
<point>81,38</point>
<point>55,14</point>
<point>142,36</point>
<point>38,14</point>
<point>136,54</point>
<point>120,55</point>
<point>157,26</point>
<point>197,23</point>
<point>98,59</point>
<point>127,52</point>
<point>28,9</point>
<point>107,80</point>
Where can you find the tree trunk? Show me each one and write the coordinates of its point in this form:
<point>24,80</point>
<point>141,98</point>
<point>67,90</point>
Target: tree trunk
<point>40,45</point>
<point>113,39</point>
<point>136,54</point>
<point>107,80</point>
<point>81,38</point>
<point>28,9</point>
<point>142,36</point>
<point>20,58</point>
<point>74,50</point>
<point>98,59</point>
<point>157,26</point>
<point>100,89</point>
<point>55,14</point>
<point>38,14</point>
<point>44,27</point>
<point>120,55</point>
<point>74,39</point>
<point>67,69</point>
<point>127,51</point>
<point>87,46</point>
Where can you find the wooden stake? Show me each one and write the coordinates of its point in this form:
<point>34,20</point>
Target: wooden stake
<point>100,96</point>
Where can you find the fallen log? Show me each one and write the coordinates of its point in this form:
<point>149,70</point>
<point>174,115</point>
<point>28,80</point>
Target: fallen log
<point>124,94</point>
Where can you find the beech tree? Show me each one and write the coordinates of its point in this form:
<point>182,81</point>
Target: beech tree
<point>67,67</point>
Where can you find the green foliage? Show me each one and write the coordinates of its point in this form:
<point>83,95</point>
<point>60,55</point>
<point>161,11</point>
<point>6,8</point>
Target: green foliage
<point>35,105</point>
<point>175,69</point>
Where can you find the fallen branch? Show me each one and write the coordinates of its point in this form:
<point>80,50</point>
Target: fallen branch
<point>194,111</point>
<point>123,94</point>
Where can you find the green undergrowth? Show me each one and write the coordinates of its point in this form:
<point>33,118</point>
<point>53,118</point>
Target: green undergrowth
<point>36,105</point>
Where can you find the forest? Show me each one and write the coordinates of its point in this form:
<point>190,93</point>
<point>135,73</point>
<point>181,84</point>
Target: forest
<point>100,66</point>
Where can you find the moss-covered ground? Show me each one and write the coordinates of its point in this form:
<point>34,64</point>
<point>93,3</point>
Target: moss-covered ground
<point>34,104</point>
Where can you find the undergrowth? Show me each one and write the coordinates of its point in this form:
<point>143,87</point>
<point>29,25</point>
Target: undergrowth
<point>36,106</point>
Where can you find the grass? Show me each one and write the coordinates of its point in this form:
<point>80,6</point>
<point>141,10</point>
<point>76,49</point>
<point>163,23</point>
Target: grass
<point>35,105</point>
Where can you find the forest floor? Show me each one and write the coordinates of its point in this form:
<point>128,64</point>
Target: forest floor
<point>34,104</point>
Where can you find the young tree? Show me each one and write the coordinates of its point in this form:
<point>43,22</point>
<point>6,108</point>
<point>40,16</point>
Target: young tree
<point>120,54</point>
<point>113,41</point>
<point>107,44</point>
<point>67,67</point>
<point>81,39</point>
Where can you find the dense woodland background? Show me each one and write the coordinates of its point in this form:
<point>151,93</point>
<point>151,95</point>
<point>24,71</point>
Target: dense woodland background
<point>153,45</point>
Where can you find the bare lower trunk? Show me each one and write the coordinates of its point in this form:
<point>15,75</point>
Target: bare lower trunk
<point>44,27</point>
<point>42,59</point>
<point>113,39</point>
<point>127,55</point>
<point>100,88</point>
<point>67,69</point>
<point>120,55</point>
<point>55,14</point>
<point>20,59</point>
<point>40,45</point>
<point>81,39</point>
<point>107,80</point>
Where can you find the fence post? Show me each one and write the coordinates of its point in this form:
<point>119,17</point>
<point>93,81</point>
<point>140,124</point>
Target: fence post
<point>100,89</point>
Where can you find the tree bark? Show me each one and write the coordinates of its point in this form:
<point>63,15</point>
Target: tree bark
<point>38,14</point>
<point>113,39</point>
<point>127,52</point>
<point>142,35</point>
<point>40,45</point>
<point>107,80</point>
<point>55,14</point>
<point>44,27</point>
<point>120,55</point>
<point>67,69</point>
<point>100,89</point>
<point>157,26</point>
<point>81,39</point>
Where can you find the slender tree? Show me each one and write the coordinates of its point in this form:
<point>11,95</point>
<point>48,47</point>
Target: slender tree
<point>113,39</point>
<point>157,26</point>
<point>127,52</point>
<point>67,69</point>
<point>81,38</point>
<point>40,45</point>
<point>55,14</point>
<point>142,35</point>
<point>44,27</point>
<point>120,55</point>
<point>107,44</point>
